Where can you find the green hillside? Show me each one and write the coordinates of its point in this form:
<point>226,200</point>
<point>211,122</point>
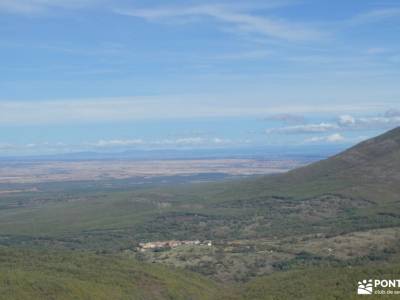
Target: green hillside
<point>327,283</point>
<point>372,166</point>
<point>328,224</point>
<point>26,274</point>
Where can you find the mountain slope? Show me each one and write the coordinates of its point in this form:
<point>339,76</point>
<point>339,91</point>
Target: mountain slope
<point>316,283</point>
<point>375,160</point>
<point>355,190</point>
<point>32,274</point>
<point>369,170</point>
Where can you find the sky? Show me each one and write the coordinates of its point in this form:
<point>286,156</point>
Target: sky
<point>116,75</point>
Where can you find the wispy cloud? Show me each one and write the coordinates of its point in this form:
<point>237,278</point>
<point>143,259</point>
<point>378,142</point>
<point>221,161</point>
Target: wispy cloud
<point>389,120</point>
<point>117,143</point>
<point>26,148</point>
<point>121,144</point>
<point>245,55</point>
<point>376,15</point>
<point>177,142</point>
<point>158,107</point>
<point>29,7</point>
<point>333,138</point>
<point>238,21</point>
<point>21,7</point>
<point>287,118</point>
<point>376,50</point>
<point>306,128</point>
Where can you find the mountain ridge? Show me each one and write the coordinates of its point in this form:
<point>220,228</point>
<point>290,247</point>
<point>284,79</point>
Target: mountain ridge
<point>373,161</point>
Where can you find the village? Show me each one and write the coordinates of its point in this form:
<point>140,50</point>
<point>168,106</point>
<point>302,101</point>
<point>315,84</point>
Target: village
<point>171,244</point>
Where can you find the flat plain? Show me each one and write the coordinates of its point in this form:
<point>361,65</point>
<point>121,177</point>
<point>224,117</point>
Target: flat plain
<point>52,171</point>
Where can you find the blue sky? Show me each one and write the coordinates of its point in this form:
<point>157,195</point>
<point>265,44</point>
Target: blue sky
<point>108,75</point>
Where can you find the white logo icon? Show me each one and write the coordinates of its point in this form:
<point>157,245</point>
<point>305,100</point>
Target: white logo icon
<point>365,287</point>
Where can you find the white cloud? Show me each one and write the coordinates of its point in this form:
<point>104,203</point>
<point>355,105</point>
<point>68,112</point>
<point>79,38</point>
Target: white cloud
<point>219,141</point>
<point>333,138</point>
<point>241,21</point>
<point>193,141</point>
<point>390,119</point>
<point>346,120</point>
<point>117,143</point>
<point>307,128</point>
<point>178,142</point>
<point>336,137</point>
<point>181,141</point>
<point>392,113</point>
<point>27,147</point>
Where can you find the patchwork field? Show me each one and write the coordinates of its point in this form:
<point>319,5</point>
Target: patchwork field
<point>58,171</point>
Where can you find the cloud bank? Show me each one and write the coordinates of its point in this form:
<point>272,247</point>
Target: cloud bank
<point>346,122</point>
<point>159,107</point>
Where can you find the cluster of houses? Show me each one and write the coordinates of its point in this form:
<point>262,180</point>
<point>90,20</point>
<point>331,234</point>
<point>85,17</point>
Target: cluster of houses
<point>171,244</point>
